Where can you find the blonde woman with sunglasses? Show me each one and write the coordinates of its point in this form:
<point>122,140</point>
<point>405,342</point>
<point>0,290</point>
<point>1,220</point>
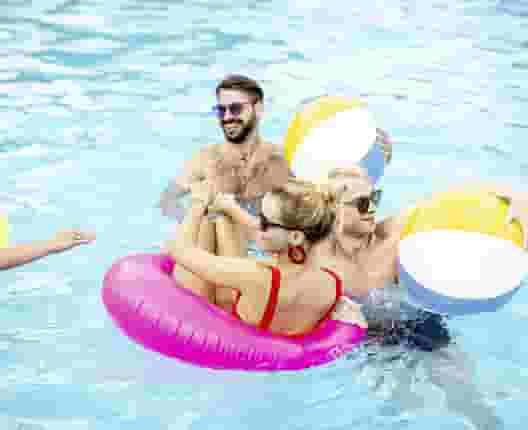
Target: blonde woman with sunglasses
<point>289,295</point>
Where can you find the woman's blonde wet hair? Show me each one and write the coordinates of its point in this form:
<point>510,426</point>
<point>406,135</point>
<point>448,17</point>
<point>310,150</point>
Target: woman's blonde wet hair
<point>307,207</point>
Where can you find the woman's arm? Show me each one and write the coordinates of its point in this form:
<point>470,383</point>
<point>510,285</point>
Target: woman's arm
<point>201,195</point>
<point>193,172</point>
<point>239,273</point>
<point>23,254</point>
<point>227,204</point>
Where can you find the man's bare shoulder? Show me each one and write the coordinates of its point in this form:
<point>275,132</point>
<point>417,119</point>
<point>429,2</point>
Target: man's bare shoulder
<point>205,154</point>
<point>392,226</point>
<point>275,152</point>
<point>275,148</point>
<point>208,151</point>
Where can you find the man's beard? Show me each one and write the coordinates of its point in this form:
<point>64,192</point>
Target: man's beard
<point>356,229</point>
<point>243,133</point>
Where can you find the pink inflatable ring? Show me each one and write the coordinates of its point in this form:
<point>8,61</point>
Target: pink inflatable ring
<point>147,304</point>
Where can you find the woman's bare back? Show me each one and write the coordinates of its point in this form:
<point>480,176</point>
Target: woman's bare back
<point>304,298</point>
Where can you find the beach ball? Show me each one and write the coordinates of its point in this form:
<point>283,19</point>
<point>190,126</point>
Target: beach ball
<point>4,230</point>
<point>458,256</point>
<point>333,132</point>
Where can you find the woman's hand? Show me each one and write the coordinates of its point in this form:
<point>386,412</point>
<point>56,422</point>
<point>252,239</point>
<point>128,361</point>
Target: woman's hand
<point>222,202</point>
<point>348,311</point>
<point>202,192</point>
<point>65,240</point>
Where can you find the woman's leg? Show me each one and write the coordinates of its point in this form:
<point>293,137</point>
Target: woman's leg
<point>207,241</point>
<point>231,241</point>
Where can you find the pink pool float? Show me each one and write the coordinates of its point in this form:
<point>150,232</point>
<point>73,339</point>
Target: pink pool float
<point>151,308</point>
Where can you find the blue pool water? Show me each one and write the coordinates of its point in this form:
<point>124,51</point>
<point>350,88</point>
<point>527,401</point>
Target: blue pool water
<point>100,103</point>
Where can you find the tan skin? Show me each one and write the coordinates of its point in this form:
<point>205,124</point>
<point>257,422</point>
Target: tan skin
<point>306,291</point>
<point>361,261</point>
<point>19,255</point>
<point>366,251</point>
<point>365,257</point>
<point>247,170</point>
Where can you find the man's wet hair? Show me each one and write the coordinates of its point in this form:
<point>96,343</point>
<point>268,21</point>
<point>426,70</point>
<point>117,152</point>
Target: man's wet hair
<point>241,83</point>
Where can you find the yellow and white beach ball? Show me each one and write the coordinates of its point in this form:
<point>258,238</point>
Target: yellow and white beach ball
<point>458,255</point>
<point>333,132</point>
<point>4,232</point>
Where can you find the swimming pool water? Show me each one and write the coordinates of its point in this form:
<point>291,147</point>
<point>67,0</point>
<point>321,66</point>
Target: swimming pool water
<point>102,101</point>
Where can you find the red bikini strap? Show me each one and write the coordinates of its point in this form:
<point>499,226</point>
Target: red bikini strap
<point>273,299</point>
<point>339,293</point>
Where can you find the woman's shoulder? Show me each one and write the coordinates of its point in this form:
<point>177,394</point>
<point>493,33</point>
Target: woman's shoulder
<point>321,278</point>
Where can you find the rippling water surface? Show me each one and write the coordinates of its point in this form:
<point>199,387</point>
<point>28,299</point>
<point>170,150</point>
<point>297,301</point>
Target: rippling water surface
<point>101,101</point>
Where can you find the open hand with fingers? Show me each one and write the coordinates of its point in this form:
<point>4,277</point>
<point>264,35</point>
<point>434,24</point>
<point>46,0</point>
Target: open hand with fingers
<point>65,240</point>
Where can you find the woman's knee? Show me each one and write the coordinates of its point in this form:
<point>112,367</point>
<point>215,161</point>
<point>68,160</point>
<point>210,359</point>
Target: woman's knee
<point>230,238</point>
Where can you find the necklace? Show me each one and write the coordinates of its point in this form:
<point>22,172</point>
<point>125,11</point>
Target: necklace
<point>251,150</point>
<point>247,156</point>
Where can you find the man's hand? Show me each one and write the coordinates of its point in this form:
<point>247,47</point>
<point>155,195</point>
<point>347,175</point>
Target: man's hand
<point>348,311</point>
<point>386,143</point>
<point>517,211</point>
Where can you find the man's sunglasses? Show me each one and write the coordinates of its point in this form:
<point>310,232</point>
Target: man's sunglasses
<point>235,109</point>
<point>266,223</point>
<point>362,203</point>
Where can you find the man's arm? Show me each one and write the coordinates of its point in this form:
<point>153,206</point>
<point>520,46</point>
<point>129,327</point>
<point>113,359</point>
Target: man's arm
<point>193,171</point>
<point>518,205</point>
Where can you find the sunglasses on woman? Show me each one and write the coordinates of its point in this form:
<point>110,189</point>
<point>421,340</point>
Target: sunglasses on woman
<point>266,223</point>
<point>235,109</point>
<point>362,203</point>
